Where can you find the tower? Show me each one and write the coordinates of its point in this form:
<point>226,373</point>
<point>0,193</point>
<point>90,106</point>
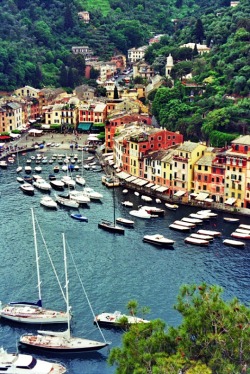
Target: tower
<point>169,65</point>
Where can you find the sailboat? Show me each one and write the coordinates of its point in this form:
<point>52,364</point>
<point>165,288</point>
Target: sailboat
<point>30,312</point>
<point>109,225</point>
<point>61,341</point>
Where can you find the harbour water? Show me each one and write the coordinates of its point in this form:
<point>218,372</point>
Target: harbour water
<point>113,268</point>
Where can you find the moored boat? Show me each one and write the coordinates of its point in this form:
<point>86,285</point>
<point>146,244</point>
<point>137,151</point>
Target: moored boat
<point>232,220</point>
<point>42,185</point>
<point>111,227</point>
<point>171,206</point>
<point>200,236</point>
<point>196,221</point>
<point>127,203</point>
<point>69,203</point>
<point>199,216</point>
<point>234,243</point>
<point>27,188</point>
<point>159,240</point>
<point>209,232</point>
<point>140,213</point>
<point>183,223</point>
<point>79,217</point>
<point>48,202</point>
<point>153,210</point>
<point>17,363</point>
<point>125,222</point>
<point>117,320</point>
<point>242,226</point>
<point>179,227</point>
<point>57,185</point>
<point>240,235</point>
<point>243,231</point>
<point>195,241</point>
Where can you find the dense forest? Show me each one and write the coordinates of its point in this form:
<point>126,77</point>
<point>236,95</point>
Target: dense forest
<point>36,36</point>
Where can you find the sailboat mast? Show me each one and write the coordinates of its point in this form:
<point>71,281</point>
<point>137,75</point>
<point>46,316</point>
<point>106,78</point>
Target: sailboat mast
<point>37,257</point>
<point>114,200</point>
<point>66,284</point>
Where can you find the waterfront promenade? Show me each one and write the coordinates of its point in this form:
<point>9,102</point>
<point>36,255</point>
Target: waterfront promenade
<point>67,142</point>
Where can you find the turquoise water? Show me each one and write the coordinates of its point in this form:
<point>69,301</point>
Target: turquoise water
<point>113,269</point>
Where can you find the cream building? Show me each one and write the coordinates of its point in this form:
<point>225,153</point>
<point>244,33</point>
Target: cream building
<point>136,54</point>
<point>27,91</point>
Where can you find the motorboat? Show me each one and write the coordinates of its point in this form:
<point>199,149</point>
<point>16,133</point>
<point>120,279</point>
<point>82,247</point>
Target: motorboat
<point>231,220</point>
<point>207,213</point>
<point>27,188</point>
<point>209,232</point>
<point>3,164</point>
<point>234,243</point>
<point>20,179</point>
<point>158,239</point>
<point>242,226</point>
<point>38,169</point>
<point>146,198</point>
<point>179,227</point>
<point>11,160</point>
<point>68,181</point>
<point>64,168</point>
<point>240,235</point>
<point>199,216</point>
<point>183,223</point>
<point>67,202</point>
<point>52,177</point>
<point>153,210</point>
<point>125,222</point>
<point>56,169</point>
<point>243,231</point>
<point>171,206</point>
<point>158,201</point>
<point>136,193</point>
<point>27,169</point>
<point>110,182</point>
<point>41,184</point>
<point>79,217</point>
<point>35,177</point>
<point>200,236</point>
<point>80,180</point>
<point>93,195</point>
<point>78,196</point>
<point>28,179</point>
<point>17,363</point>
<point>195,241</point>
<point>48,202</point>
<point>196,221</point>
<point>140,213</point>
<point>117,320</point>
<point>57,185</point>
<point>125,191</point>
<point>127,203</point>
<point>61,341</point>
<point>19,169</point>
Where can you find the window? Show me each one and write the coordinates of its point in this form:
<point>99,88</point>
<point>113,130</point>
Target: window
<point>217,189</point>
<point>206,168</point>
<point>199,167</point>
<point>183,166</point>
<point>205,178</point>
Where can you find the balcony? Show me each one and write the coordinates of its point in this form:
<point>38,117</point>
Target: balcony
<point>180,158</point>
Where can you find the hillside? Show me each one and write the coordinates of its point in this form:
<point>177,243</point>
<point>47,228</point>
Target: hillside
<point>36,37</point>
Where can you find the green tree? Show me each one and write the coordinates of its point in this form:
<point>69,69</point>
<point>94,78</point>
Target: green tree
<point>213,337</point>
<point>116,95</point>
<point>199,31</point>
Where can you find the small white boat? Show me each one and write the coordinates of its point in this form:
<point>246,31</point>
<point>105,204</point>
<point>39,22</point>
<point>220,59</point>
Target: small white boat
<point>136,193</point>
<point>200,242</point>
<point>125,221</point>
<point>80,180</point>
<point>199,216</point>
<point>20,179</point>
<point>79,197</point>
<point>27,169</point>
<point>196,221</point>
<point>240,235</point>
<point>41,184</point>
<point>125,191</point>
<point>17,363</point>
<point>158,201</point>
<point>186,224</point>
<point>117,319</point>
<point>69,203</point>
<point>127,203</point>
<point>207,213</point>
<point>48,202</point>
<point>68,181</point>
<point>171,206</point>
<point>146,198</point>
<point>57,184</point>
<point>140,213</point>
<point>232,220</point>
<point>242,226</point>
<point>93,195</point>
<point>234,243</point>
<point>200,236</point>
<point>64,168</point>
<point>243,231</point>
<point>158,239</point>
<point>209,232</point>
<point>27,188</point>
<point>11,160</point>
<point>178,227</point>
<point>19,169</point>
<point>3,164</point>
<point>154,211</point>
<point>38,169</point>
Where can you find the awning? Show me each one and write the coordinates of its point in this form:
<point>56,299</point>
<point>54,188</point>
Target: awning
<point>15,135</point>
<point>4,137</point>
<point>130,179</point>
<point>202,196</point>
<point>209,200</point>
<point>155,187</point>
<point>193,194</point>
<point>35,131</point>
<point>230,201</point>
<point>123,175</point>
<point>179,193</point>
<point>85,126</point>
<point>140,182</point>
<point>162,189</point>
<point>149,185</point>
